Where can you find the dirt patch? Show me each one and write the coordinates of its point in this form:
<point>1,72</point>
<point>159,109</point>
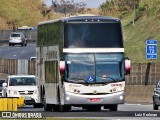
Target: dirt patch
<point>139,93</point>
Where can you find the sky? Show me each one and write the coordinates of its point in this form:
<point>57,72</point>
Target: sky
<point>90,3</point>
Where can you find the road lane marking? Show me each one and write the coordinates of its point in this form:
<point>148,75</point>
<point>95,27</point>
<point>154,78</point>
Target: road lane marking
<point>138,104</point>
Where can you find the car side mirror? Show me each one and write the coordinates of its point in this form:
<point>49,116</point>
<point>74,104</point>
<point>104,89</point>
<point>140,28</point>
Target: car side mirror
<point>4,85</point>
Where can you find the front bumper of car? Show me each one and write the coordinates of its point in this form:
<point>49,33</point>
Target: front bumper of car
<point>156,97</point>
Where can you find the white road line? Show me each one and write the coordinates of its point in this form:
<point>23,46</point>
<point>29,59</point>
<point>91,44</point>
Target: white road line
<point>138,104</point>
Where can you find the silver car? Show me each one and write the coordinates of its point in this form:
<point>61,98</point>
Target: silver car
<point>17,38</point>
<point>156,96</point>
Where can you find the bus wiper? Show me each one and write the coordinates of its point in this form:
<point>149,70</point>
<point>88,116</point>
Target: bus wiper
<point>114,80</point>
<point>78,80</point>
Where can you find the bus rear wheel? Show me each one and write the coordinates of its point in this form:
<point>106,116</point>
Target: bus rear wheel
<point>64,108</point>
<point>47,107</point>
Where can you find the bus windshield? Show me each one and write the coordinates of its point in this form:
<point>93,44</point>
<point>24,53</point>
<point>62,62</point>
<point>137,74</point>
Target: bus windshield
<point>93,35</point>
<point>93,68</point>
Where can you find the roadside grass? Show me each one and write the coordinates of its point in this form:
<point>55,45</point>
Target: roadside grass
<point>135,37</point>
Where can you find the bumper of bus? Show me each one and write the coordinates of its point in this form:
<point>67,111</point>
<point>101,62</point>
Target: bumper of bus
<point>114,98</point>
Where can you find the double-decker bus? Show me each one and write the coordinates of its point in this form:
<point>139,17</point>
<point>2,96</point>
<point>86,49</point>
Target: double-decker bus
<point>81,62</point>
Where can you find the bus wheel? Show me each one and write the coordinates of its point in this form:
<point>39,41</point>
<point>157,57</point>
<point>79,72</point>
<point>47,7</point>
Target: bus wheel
<point>47,107</point>
<point>113,107</point>
<point>64,108</point>
<point>41,95</point>
<point>56,108</point>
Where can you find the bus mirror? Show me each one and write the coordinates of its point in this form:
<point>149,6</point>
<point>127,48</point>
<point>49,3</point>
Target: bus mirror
<point>127,66</point>
<point>62,68</point>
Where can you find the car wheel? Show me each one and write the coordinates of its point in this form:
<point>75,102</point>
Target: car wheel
<point>155,107</point>
<point>9,44</point>
<point>38,105</point>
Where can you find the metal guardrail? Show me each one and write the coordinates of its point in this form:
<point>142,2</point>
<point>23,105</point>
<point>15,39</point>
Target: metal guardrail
<point>17,66</point>
<point>11,103</point>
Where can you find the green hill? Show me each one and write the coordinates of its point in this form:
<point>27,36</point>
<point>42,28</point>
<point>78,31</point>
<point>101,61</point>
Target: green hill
<point>147,23</point>
<point>146,14</point>
<point>23,13</point>
<point>146,28</point>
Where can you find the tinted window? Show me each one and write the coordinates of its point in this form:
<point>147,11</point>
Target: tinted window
<point>15,35</point>
<point>1,82</point>
<point>100,35</point>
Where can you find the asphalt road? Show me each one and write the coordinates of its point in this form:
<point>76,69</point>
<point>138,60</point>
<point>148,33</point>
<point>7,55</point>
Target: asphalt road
<point>125,111</point>
<point>17,51</point>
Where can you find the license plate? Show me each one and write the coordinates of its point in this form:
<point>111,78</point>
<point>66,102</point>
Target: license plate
<point>94,99</point>
<point>28,98</point>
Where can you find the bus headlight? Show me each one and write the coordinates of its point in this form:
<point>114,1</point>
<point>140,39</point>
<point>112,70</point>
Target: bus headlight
<point>121,97</point>
<point>67,98</point>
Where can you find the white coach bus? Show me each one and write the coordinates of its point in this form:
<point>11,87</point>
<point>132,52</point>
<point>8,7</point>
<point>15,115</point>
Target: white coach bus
<point>81,62</point>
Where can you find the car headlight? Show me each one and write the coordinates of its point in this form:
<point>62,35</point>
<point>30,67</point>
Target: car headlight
<point>35,92</point>
<point>13,92</point>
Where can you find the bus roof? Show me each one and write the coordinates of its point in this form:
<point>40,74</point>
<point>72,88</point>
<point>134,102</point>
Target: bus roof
<point>81,18</point>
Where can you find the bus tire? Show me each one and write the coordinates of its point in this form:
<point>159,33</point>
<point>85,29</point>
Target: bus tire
<point>47,107</point>
<point>41,95</point>
<point>38,105</point>
<point>64,108</point>
<point>56,108</point>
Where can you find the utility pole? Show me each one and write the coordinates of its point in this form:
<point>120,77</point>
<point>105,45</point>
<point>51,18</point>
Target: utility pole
<point>134,13</point>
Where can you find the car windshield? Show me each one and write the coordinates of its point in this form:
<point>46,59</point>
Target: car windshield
<point>1,82</point>
<point>15,35</point>
<point>22,81</point>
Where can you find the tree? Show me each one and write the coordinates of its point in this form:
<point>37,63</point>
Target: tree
<point>119,8</point>
<point>68,7</point>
